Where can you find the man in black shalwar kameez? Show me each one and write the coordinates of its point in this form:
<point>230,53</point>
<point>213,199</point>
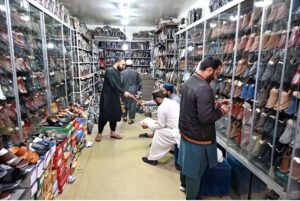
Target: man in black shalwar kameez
<point>110,105</point>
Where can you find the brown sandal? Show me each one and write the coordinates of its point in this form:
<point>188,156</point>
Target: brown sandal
<point>98,138</point>
<point>118,137</point>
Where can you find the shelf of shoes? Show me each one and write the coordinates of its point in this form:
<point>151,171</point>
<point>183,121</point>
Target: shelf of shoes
<point>53,8</point>
<point>84,64</point>
<point>164,53</point>
<point>56,61</point>
<point>31,74</point>
<point>259,49</point>
<point>68,61</point>
<point>138,50</point>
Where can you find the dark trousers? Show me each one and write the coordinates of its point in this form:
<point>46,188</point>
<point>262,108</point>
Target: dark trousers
<point>192,185</point>
<point>130,109</point>
<point>102,122</point>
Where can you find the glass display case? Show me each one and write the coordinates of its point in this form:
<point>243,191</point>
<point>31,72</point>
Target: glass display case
<point>258,44</point>
<point>8,115</point>
<point>55,56</point>
<point>31,76</point>
<point>68,62</point>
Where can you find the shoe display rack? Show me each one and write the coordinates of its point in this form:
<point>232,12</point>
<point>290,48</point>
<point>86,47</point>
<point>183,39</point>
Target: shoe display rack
<point>33,68</point>
<point>258,44</point>
<point>139,51</point>
<point>84,63</point>
<point>164,54</point>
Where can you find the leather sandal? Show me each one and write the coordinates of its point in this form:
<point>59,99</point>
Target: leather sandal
<point>98,138</point>
<point>12,160</point>
<point>117,136</point>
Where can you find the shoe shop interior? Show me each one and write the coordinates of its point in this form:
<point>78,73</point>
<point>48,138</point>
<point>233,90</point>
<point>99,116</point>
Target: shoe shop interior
<point>100,99</point>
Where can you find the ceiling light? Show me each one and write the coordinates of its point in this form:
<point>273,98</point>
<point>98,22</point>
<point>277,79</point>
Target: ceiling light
<point>124,21</point>
<point>190,48</point>
<point>125,46</point>
<point>212,25</point>
<point>2,8</point>
<point>263,3</point>
<point>125,13</point>
<point>50,45</point>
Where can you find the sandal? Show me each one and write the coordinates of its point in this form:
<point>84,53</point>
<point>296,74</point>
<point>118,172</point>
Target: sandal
<point>98,138</point>
<point>117,136</point>
<point>23,152</point>
<point>12,160</point>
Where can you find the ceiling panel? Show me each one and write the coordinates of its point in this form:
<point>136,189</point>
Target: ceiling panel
<point>108,12</point>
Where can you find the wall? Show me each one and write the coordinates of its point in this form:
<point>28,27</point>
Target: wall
<point>199,4</point>
<point>129,30</point>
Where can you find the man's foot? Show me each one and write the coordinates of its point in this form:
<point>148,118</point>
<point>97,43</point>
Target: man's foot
<point>151,162</point>
<point>130,121</point>
<point>125,119</point>
<point>115,136</point>
<point>98,137</point>
<point>143,135</point>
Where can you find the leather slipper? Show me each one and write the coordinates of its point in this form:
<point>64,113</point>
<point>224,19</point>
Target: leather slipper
<point>3,172</point>
<point>12,175</point>
<point>4,196</point>
<point>98,138</point>
<point>118,137</point>
<point>11,159</point>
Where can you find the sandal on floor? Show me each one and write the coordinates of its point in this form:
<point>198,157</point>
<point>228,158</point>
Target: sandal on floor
<point>118,137</point>
<point>98,138</point>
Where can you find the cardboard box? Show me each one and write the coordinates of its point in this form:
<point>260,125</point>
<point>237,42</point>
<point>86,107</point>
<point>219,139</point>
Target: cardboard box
<point>31,177</point>
<point>47,159</point>
<point>30,194</point>
<point>40,167</point>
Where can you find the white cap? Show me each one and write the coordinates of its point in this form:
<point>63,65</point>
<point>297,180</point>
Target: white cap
<point>129,62</point>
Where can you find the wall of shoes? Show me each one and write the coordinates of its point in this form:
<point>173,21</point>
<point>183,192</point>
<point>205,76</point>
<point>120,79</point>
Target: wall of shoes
<point>139,51</point>
<point>35,79</point>
<point>259,44</point>
<point>164,54</point>
<point>84,67</point>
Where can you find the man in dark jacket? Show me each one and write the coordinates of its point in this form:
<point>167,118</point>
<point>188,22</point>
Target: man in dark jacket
<point>198,114</point>
<point>131,82</point>
<point>110,105</point>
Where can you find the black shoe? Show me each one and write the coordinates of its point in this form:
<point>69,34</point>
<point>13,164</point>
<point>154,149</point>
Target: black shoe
<point>125,119</point>
<point>143,135</point>
<point>151,162</point>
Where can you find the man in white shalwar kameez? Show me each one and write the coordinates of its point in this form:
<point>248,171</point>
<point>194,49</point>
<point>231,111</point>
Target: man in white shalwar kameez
<point>166,132</point>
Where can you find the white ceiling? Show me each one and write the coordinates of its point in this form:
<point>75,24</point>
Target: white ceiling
<point>108,12</point>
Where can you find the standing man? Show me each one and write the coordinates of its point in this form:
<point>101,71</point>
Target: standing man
<point>198,113</point>
<point>166,132</point>
<point>131,82</point>
<point>110,105</point>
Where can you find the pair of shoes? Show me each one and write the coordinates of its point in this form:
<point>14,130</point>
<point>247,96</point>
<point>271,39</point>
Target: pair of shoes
<point>143,135</point>
<point>151,162</point>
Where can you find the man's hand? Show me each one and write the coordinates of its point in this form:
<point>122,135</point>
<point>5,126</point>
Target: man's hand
<point>144,125</point>
<point>127,94</point>
<point>225,108</point>
<point>142,102</point>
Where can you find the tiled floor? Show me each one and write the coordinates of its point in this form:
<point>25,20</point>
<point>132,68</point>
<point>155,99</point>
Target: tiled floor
<point>113,169</point>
